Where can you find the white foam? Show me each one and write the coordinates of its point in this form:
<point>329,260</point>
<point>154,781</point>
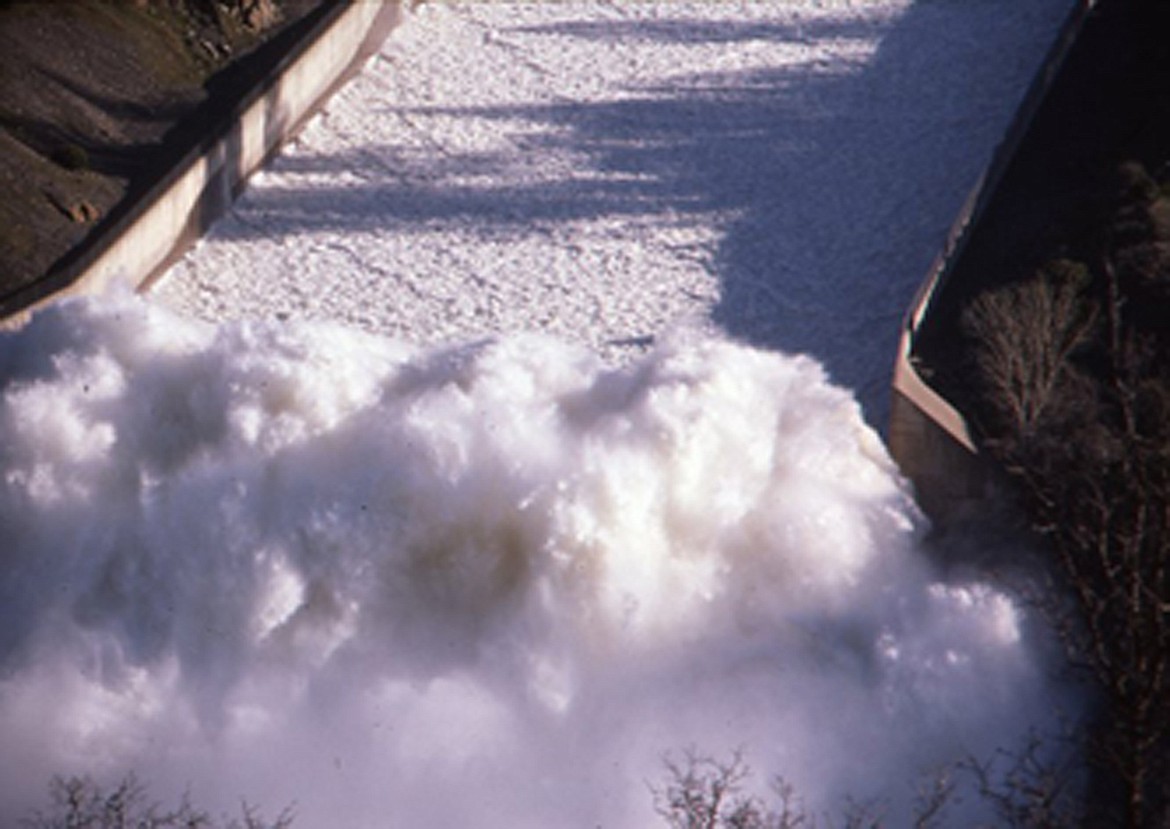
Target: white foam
<point>482,585</point>
<point>784,170</point>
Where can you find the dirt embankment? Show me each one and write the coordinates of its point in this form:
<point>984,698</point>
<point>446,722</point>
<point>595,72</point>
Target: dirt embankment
<point>99,97</point>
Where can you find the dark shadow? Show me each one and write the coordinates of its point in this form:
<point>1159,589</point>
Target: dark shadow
<point>836,188</point>
<point>693,31</point>
<point>1061,192</point>
<point>112,157</point>
<point>127,109</point>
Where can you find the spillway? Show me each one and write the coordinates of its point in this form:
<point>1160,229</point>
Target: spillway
<point>781,171</point>
<point>515,430</point>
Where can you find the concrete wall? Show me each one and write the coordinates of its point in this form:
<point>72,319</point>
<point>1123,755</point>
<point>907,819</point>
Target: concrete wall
<point>177,211</point>
<point>928,437</point>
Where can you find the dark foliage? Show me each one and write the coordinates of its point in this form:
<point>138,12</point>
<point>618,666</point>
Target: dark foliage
<point>1074,377</point>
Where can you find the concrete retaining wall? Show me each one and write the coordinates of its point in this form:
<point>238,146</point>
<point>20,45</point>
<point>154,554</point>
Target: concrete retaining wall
<point>178,210</point>
<point>930,439</point>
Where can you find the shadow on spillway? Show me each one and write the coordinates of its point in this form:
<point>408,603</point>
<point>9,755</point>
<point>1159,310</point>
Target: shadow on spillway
<point>835,185</point>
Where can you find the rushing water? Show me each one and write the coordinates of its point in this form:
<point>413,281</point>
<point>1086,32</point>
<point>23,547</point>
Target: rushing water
<point>481,585</point>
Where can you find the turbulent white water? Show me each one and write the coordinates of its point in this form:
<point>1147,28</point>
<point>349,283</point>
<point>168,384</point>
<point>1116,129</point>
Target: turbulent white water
<point>490,584</point>
<point>484,585</point>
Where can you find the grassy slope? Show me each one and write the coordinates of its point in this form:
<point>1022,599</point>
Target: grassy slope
<point>90,93</point>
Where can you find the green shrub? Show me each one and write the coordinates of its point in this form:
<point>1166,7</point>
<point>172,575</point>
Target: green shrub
<point>71,157</point>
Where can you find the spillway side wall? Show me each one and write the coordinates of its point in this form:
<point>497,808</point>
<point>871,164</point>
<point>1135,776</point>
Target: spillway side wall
<point>929,438</point>
<point>169,217</point>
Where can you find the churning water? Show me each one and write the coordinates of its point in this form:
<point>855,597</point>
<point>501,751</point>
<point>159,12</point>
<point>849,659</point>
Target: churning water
<point>481,585</point>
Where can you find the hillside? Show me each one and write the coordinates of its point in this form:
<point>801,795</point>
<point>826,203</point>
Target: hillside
<point>1051,337</point>
<point>1089,185</point>
<point>98,98</point>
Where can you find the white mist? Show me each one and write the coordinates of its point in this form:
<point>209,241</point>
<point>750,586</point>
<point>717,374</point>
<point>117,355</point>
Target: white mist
<point>482,585</point>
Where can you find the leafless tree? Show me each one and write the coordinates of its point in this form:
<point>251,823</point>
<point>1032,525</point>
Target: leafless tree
<point>704,793</point>
<point>81,803</point>
<point>1081,423</point>
<point>1035,787</point>
<point>1026,334</point>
